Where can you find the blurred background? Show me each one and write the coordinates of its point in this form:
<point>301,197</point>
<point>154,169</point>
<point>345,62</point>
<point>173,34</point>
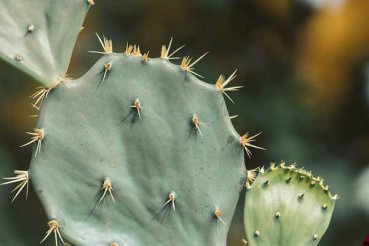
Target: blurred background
<point>305,68</point>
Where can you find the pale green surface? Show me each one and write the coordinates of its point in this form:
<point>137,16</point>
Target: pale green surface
<point>92,133</point>
<point>299,219</point>
<point>47,50</point>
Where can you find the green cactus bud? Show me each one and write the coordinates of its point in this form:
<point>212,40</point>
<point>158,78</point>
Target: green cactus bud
<point>289,211</point>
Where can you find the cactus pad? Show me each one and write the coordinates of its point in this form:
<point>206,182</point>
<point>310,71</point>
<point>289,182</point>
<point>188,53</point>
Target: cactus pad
<point>142,153</point>
<point>287,206</point>
<point>38,36</point>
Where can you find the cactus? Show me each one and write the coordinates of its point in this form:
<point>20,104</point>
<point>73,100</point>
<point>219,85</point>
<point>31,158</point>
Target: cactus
<point>40,42</point>
<point>139,143</point>
<point>287,206</point>
<point>138,151</point>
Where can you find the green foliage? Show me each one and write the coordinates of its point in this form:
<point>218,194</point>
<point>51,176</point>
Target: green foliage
<point>287,206</point>
<point>38,36</point>
<point>94,136</point>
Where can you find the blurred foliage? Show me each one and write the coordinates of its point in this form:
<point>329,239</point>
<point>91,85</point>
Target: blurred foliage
<point>334,45</point>
<point>303,65</point>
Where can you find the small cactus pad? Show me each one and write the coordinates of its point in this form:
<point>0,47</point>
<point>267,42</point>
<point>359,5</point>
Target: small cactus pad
<point>38,36</point>
<point>123,160</point>
<point>287,206</point>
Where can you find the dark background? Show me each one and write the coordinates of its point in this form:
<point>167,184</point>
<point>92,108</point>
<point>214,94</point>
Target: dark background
<point>305,68</point>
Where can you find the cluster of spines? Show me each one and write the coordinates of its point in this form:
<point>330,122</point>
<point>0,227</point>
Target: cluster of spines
<point>41,94</point>
<point>134,50</point>
<point>293,169</point>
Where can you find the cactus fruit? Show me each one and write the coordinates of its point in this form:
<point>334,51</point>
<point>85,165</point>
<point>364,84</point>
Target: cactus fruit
<point>40,42</point>
<point>287,206</point>
<point>145,145</point>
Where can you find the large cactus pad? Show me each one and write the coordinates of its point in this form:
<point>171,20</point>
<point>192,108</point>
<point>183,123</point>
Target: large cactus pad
<point>148,134</point>
<point>287,206</point>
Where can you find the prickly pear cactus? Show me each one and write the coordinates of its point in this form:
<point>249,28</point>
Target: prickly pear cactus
<point>40,42</point>
<point>136,152</point>
<point>287,206</point>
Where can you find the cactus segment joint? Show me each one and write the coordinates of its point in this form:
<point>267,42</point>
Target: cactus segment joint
<point>22,178</point>
<point>42,92</point>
